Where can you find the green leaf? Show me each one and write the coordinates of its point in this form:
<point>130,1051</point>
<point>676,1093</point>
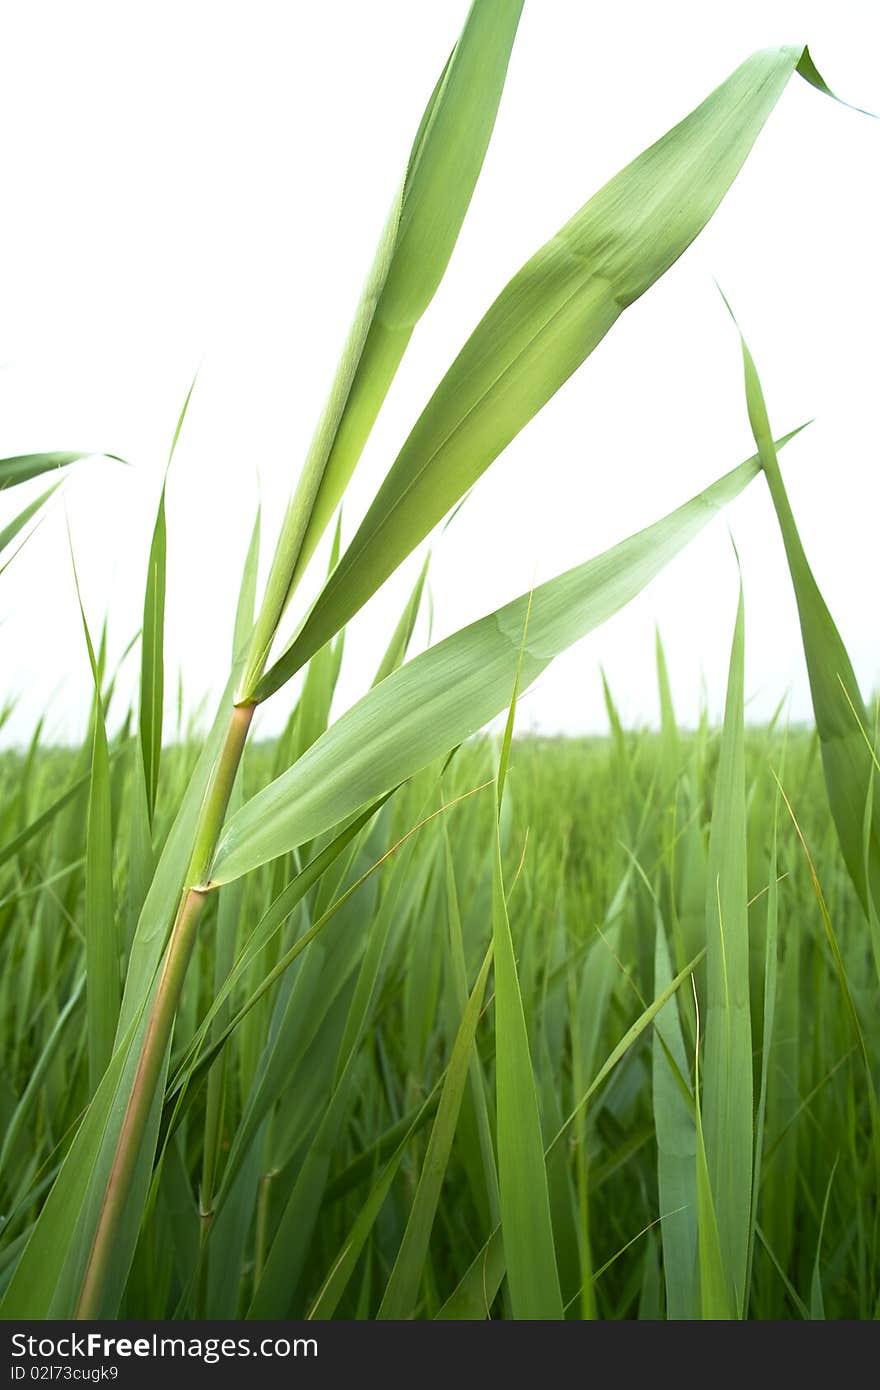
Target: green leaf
<point>395,654</point>
<point>676,1148</point>
<point>401,1293</point>
<point>670,741</point>
<point>152,659</point>
<point>810,73</point>
<point>153,633</point>
<point>459,997</point>
<point>23,467</point>
<point>44,819</point>
<point>545,323</point>
<point>418,240</point>
<point>715,1302</point>
<point>141,858</point>
<point>817,1300</point>
<point>244,612</point>
<point>526,1224</point>
<point>103,947</point>
<point>18,523</point>
<point>841,718</point>
<point>448,692</point>
<point>344,1265</point>
<point>727,1101</point>
<point>771,969</point>
<point>32,1092</point>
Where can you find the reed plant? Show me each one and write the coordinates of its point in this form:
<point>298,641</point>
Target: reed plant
<point>390,1019</point>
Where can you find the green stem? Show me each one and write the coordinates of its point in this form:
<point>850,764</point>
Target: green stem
<point>217,794</point>
<point>213,1127</point>
<point>163,1012</point>
<point>262,1231</point>
<point>206,1220</point>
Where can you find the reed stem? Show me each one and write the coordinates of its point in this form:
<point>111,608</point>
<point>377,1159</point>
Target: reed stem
<point>163,1011</point>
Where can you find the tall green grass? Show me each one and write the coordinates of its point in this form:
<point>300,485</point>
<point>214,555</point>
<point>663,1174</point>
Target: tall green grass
<point>388,1020</point>
<point>576,909</point>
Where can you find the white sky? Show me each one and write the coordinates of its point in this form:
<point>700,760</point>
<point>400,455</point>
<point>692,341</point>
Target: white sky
<point>190,181</point>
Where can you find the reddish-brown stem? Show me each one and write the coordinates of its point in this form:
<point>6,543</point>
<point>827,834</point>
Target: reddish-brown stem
<point>162,1013</point>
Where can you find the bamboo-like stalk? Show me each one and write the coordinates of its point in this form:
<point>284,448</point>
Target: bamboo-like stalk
<point>163,1009</point>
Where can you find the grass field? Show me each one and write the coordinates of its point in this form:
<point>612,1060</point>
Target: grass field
<point>336,1072</point>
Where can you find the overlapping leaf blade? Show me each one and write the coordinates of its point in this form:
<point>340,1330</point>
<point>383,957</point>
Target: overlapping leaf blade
<point>450,691</point>
<point>841,719</point>
<point>727,1097</point>
<point>418,240</point>
<point>401,1294</point>
<point>153,659</point>
<point>22,467</point>
<point>13,528</point>
<point>526,1222</point>
<point>542,327</point>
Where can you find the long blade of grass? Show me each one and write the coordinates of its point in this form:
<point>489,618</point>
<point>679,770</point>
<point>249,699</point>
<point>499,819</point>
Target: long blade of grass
<point>103,948</point>
<point>448,692</point>
<point>458,971</point>
<point>676,1148</point>
<point>817,1300</point>
<point>845,987</point>
<point>153,633</point>
<point>344,1265</point>
<point>23,467</point>
<point>401,1292</point>
<point>418,240</point>
<point>31,1092</point>
<point>18,523</point>
<point>45,818</point>
<point>841,718</point>
<point>397,648</point>
<point>727,1100</point>
<point>152,659</point>
<point>771,970</point>
<point>141,858</point>
<point>715,1301</point>
<point>530,1255</point>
